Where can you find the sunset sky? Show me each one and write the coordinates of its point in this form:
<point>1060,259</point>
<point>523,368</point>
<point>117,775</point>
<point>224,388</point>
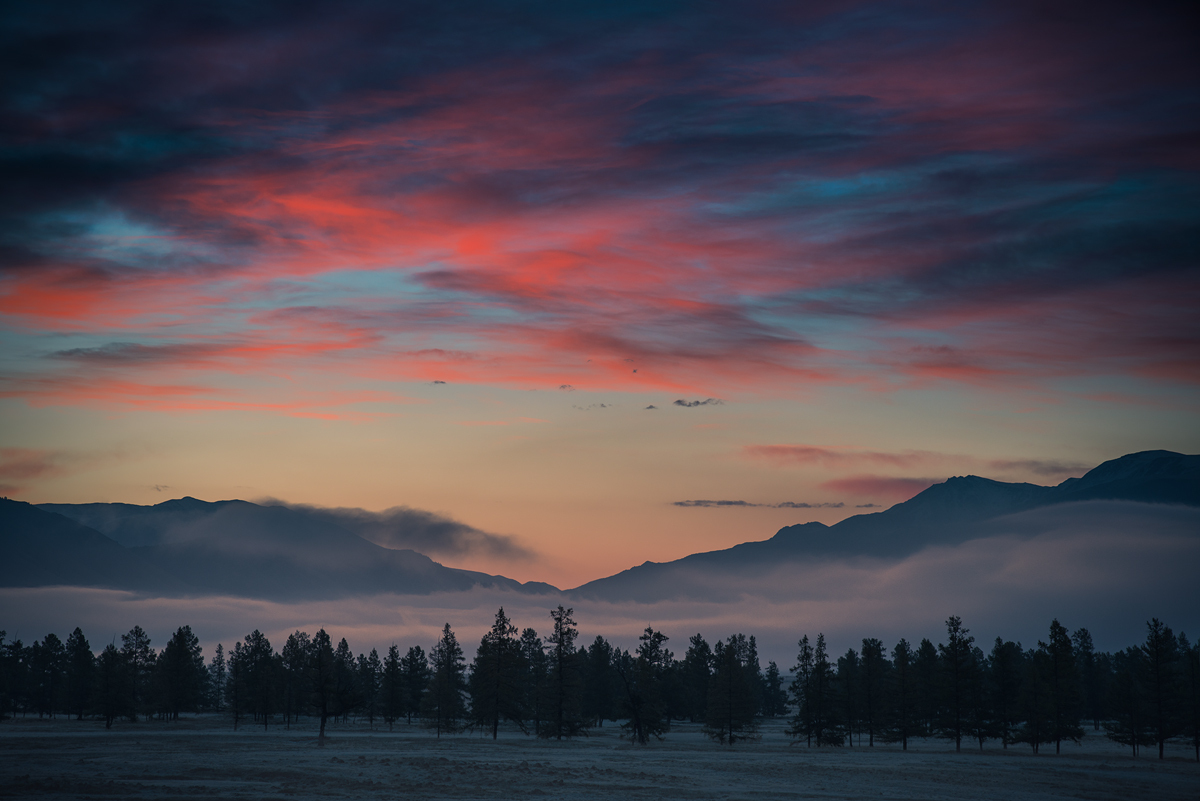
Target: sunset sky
<point>555,273</point>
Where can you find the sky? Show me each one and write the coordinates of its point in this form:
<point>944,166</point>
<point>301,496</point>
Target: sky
<point>573,274</point>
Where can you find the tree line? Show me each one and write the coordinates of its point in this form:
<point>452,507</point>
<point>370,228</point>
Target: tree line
<point>549,686</point>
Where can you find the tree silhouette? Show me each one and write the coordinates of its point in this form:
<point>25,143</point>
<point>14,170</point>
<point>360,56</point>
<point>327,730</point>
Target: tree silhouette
<point>641,680</point>
<point>537,671</point>
<point>874,670</point>
<point>901,711</point>
<point>956,668</point>
<point>1129,715</point>
<point>322,678</point>
<point>181,671</point>
<point>1090,684</point>
<point>497,675</point>
<point>774,703</point>
<point>1064,686</point>
<point>564,680</point>
<point>112,685</point>
<point>295,662</point>
<point>732,706</point>
<point>1006,666</point>
<point>81,673</point>
<point>217,674</point>
<point>442,706</point>
<point>599,685</point>
<point>370,671</point>
<point>415,667</point>
<point>1162,654</point>
<point>392,686</point>
<point>802,693</point>
<point>139,660</point>
<point>1191,692</point>
<point>928,685</point>
<point>848,691</point>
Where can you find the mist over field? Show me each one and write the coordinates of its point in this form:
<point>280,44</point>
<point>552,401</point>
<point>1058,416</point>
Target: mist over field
<point>1105,565</point>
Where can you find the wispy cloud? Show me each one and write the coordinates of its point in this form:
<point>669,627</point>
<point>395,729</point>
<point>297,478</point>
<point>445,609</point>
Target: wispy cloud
<point>784,505</point>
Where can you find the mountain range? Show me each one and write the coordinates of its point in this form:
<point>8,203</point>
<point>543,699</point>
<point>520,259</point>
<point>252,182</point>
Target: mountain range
<point>187,547</point>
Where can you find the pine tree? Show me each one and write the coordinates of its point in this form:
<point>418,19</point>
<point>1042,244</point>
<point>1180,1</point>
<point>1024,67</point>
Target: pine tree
<point>873,669</point>
<point>979,713</point>
<point>1129,715</point>
<point>1006,667</point>
<point>181,671</point>
<point>442,707</point>
<point>139,660</point>
<point>236,689</point>
<point>81,673</point>
<point>496,677</point>
<point>345,680</point>
<point>1035,706</point>
<point>1162,656</point>
<point>774,696</point>
<point>294,664</point>
<point>1064,687</point>
<point>216,679</point>
<point>1191,692</point>
<point>322,678</point>
<point>599,686</point>
<point>392,686</point>
<point>956,666</point>
<point>537,671</point>
<point>369,676</point>
<point>694,674</point>
<point>48,666</point>
<point>732,706</point>
<point>565,683</point>
<point>927,685</point>
<point>415,667</point>
<point>902,706</point>
<point>848,692</point>
<point>1090,686</point>
<point>641,684</point>
<point>112,685</point>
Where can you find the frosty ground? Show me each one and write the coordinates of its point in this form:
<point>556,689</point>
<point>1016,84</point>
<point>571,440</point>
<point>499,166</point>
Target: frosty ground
<point>204,757</point>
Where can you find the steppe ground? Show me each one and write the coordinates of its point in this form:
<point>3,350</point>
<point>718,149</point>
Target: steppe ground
<point>204,758</point>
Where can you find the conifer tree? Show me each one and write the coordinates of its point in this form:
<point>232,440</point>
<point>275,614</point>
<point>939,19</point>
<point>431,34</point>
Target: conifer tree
<point>694,674</point>
<point>802,693</point>
<point>139,660</point>
<point>641,682</point>
<point>599,686</point>
<point>48,662</point>
<point>369,677</point>
<point>848,691</point>
<point>873,669</point>
<point>564,682</point>
<point>81,673</point>
<point>345,680</point>
<point>182,675</point>
<point>442,706</point>
<point>956,664</point>
<point>901,710</point>
<point>497,676</point>
<point>1006,667</point>
<point>1191,692</point>
<point>236,691</point>
<point>774,696</point>
<point>294,663</point>
<point>322,678</point>
<point>1129,716</point>
<point>1064,686</point>
<point>533,649</point>
<point>1091,690</point>
<point>216,679</point>
<point>1162,655</point>
<point>415,667</point>
<point>1035,705</point>
<point>392,687</point>
<point>732,706</point>
<point>112,685</point>
<point>927,684</point>
<point>258,672</point>
<point>979,713</point>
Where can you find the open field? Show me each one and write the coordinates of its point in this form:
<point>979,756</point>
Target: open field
<point>204,758</point>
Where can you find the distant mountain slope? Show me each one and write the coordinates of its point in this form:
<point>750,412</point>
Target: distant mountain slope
<point>952,512</point>
<point>274,552</point>
<point>39,548</point>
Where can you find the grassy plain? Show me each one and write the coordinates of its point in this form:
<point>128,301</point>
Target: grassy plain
<point>203,757</point>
